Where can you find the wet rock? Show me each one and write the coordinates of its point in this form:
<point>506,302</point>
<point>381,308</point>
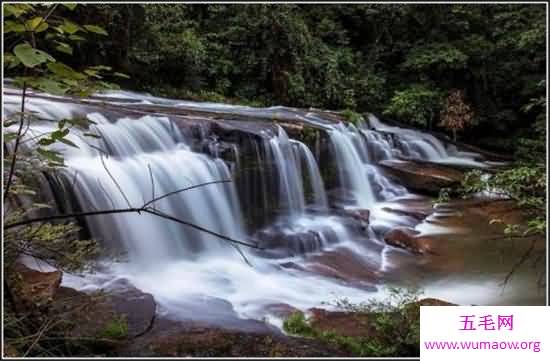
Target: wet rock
<point>281,310</point>
<point>408,239</point>
<point>422,177</point>
<point>33,288</point>
<point>186,339</point>
<point>289,244</point>
<point>362,215</point>
<point>416,214</point>
<point>110,315</point>
<point>343,323</point>
<point>345,266</point>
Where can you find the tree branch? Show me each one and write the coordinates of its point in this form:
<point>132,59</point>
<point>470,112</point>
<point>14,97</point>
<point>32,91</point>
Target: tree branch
<point>128,210</point>
<point>17,141</point>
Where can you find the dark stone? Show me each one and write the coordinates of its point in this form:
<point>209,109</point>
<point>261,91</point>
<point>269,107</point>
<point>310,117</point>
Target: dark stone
<point>423,177</point>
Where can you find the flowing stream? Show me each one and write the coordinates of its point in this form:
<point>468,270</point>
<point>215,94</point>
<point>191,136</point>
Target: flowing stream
<point>190,273</point>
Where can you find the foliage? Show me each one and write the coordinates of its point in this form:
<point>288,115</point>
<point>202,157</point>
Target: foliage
<point>40,42</point>
<point>435,56</point>
<point>395,322</point>
<point>117,328</point>
<point>417,105</point>
<point>352,117</point>
<point>456,114</point>
<point>360,57</point>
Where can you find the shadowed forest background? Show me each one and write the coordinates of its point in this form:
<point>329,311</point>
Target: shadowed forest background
<point>397,60</point>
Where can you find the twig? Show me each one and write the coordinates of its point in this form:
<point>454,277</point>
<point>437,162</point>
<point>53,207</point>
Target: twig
<point>152,184</point>
<point>127,210</point>
<point>114,181</point>
<point>183,190</point>
<point>40,333</point>
<point>17,140</point>
<point>521,260</point>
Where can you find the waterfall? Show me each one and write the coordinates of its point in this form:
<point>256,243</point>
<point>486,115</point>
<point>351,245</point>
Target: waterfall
<point>314,176</point>
<point>137,159</point>
<point>288,155</point>
<point>146,158</point>
<point>351,163</point>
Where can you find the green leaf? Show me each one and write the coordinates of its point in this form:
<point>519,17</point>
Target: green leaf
<point>31,57</point>
<point>68,142</point>
<point>70,6</point>
<point>65,71</point>
<point>92,135</point>
<point>80,121</point>
<point>59,134</point>
<point>50,155</point>
<point>50,86</point>
<point>69,27</point>
<point>93,73</point>
<point>100,67</point>
<point>36,24</point>
<point>12,26</point>
<point>17,10</point>
<point>121,75</point>
<point>11,61</point>
<point>76,38</point>
<point>46,141</point>
<point>96,29</point>
<point>64,48</point>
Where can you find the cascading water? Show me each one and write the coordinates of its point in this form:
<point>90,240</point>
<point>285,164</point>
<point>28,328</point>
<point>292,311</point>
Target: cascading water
<point>391,142</point>
<point>288,157</point>
<point>186,269</point>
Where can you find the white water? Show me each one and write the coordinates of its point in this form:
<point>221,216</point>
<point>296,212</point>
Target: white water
<point>180,265</point>
<point>415,144</point>
<point>288,156</point>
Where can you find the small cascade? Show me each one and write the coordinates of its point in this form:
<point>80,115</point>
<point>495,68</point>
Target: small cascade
<point>351,162</point>
<point>289,157</point>
<point>391,142</point>
<point>313,175</point>
<point>134,161</point>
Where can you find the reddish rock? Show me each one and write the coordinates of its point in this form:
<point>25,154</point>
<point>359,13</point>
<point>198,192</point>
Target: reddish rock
<point>34,288</point>
<point>422,177</point>
<point>408,239</point>
<point>343,323</point>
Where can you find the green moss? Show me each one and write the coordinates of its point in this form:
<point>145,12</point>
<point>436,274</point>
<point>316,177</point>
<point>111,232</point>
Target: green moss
<point>297,324</point>
<point>352,116</point>
<point>395,323</point>
<point>116,328</point>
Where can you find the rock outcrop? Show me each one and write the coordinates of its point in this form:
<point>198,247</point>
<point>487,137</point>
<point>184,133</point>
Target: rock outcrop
<point>423,177</point>
<point>410,240</point>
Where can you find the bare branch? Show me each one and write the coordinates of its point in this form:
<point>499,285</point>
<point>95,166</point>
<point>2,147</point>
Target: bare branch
<point>183,190</point>
<point>17,141</point>
<point>152,184</point>
<point>114,181</point>
<point>128,210</point>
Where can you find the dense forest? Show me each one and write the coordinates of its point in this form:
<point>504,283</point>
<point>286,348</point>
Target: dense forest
<point>471,76</point>
<point>398,60</point>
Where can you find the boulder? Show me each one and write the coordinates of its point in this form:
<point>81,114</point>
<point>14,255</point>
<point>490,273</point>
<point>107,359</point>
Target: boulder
<point>33,288</point>
<point>106,316</point>
<point>362,215</point>
<point>170,338</point>
<point>408,239</point>
<point>423,177</point>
